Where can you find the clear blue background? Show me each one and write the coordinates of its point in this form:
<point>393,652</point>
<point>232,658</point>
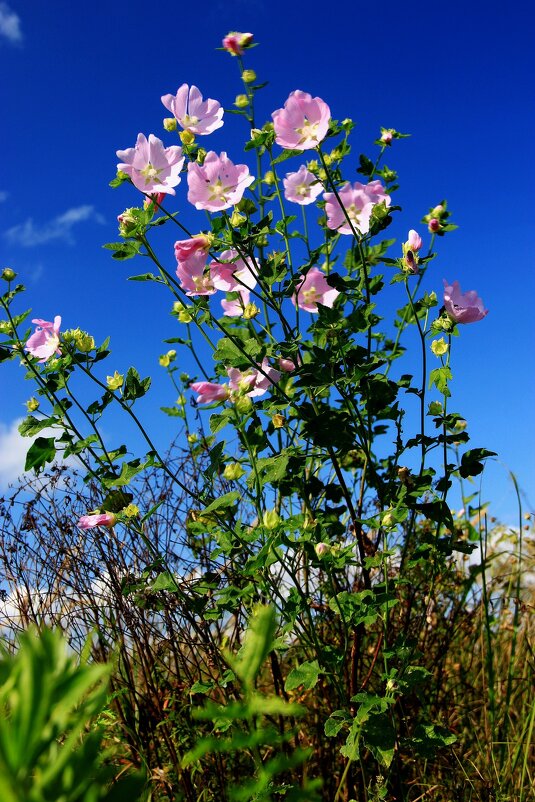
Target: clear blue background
<point>85,79</point>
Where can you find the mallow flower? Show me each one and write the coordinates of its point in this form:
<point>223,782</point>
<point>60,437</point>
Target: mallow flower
<point>358,201</point>
<point>233,275</point>
<point>44,342</point>
<point>302,123</point>
<point>107,519</point>
<point>191,255</point>
<point>253,382</point>
<point>152,167</point>
<point>192,112</point>
<point>313,290</point>
<point>302,187</point>
<point>208,392</point>
<point>235,42</point>
<point>218,183</point>
<point>463,308</point>
<point>410,250</point>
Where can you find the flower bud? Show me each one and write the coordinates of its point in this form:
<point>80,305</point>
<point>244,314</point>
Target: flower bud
<point>166,359</point>
<point>8,274</point>
<point>387,134</point>
<point>248,76</point>
<point>32,404</point>
<point>250,311</point>
<point>186,137</point>
<point>131,511</point>
<point>170,124</point>
<point>269,178</point>
<point>243,404</point>
<point>201,156</point>
<point>439,347</point>
<point>388,520</point>
<point>192,439</point>
<point>322,549</point>
<point>278,421</point>
<point>271,519</point>
<point>434,225</point>
<point>6,327</point>
<point>128,222</point>
<point>115,381</point>
<point>236,218</point>
<point>233,471</point>
<point>241,102</point>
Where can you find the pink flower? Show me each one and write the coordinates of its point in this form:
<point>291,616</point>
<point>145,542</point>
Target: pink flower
<point>233,275</point>
<point>152,167</point>
<point>467,308</point>
<point>107,519</point>
<point>434,225</point>
<point>313,290</point>
<point>410,252</point>
<point>210,392</point>
<point>358,201</point>
<point>414,240</point>
<point>192,113</point>
<point>236,308</point>
<point>302,187</point>
<point>191,255</point>
<point>218,184</point>
<point>387,135</point>
<point>254,379</point>
<point>302,123</point>
<point>44,342</point>
<point>236,42</point>
<point>286,365</point>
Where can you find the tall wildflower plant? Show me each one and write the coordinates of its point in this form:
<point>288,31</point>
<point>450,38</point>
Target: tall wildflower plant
<point>316,490</point>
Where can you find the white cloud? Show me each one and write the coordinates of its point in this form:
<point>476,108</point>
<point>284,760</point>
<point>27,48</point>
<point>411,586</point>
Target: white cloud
<point>10,24</point>
<point>29,234</point>
<point>13,450</point>
<point>3,195</point>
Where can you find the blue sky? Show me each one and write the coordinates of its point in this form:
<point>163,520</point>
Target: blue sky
<point>80,82</point>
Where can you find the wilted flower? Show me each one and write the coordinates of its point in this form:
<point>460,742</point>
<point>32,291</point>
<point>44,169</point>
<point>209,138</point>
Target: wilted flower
<point>210,392</point>
<point>302,187</point>
<point>44,342</point>
<point>358,201</point>
<point>107,519</point>
<point>467,308</point>
<point>152,167</point>
<point>313,290</point>
<point>192,112</point>
<point>302,123</point>
<point>235,43</point>
<point>218,184</point>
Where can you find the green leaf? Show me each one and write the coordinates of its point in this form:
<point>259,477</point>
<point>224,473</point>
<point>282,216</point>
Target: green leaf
<point>429,738</point>
<point>123,250</point>
<point>228,500</point>
<point>440,378</point>
<point>335,722</point>
<point>41,452</point>
<point>471,464</point>
<point>32,425</point>
<point>257,644</point>
<point>165,581</point>
<point>307,674</point>
<point>134,386</point>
